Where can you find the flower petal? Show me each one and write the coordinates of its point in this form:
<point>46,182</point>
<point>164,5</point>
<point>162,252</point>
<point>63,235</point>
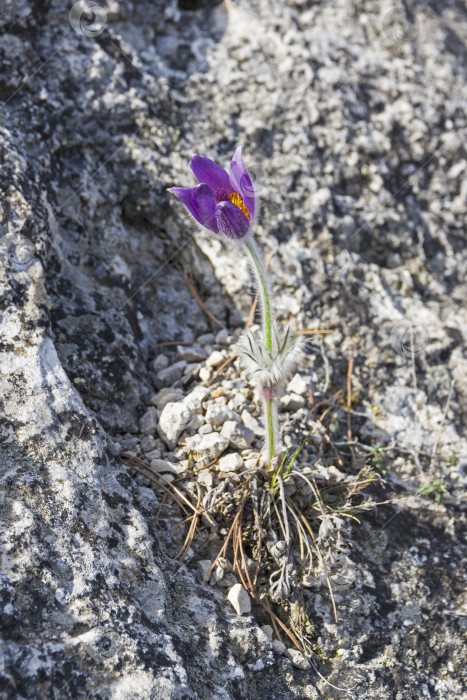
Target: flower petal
<point>210,173</point>
<point>231,221</point>
<point>241,181</point>
<point>200,203</point>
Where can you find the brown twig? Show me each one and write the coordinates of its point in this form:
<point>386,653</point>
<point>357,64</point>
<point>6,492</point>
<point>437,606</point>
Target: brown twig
<point>191,286</point>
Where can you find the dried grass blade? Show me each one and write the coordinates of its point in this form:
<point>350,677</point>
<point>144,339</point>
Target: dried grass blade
<point>191,286</point>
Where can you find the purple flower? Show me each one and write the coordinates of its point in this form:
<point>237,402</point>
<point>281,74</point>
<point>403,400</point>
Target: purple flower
<point>221,202</point>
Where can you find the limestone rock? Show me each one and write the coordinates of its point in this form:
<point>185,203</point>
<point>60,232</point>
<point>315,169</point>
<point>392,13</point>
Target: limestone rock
<point>174,419</point>
<point>239,599</point>
<point>148,423</point>
<point>237,435</point>
<point>357,157</point>
<point>218,414</point>
<point>298,659</point>
<point>169,375</point>
<point>207,447</point>
<point>231,462</point>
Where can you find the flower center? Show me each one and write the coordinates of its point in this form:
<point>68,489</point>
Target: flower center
<point>237,199</point>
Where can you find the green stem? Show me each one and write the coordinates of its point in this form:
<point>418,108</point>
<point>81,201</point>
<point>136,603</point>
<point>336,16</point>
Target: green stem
<point>269,404</point>
<point>270,423</point>
<point>267,314</point>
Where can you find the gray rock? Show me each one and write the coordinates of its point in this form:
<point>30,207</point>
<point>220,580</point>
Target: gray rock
<point>205,448</point>
<point>299,384</point>
<point>217,414</point>
<point>148,422</point>
<point>174,419</point>
<point>268,631</point>
<point>158,399</point>
<point>238,402</point>
<point>215,359</point>
<point>237,435</point>
<point>128,443</point>
<point>203,566</point>
<point>163,466</point>
<point>252,424</point>
<point>194,400</point>
<point>230,463</point>
<point>161,362</point>
<point>222,336</point>
<point>205,339</point>
<point>363,195</point>
<point>292,402</point>
<point>205,429</point>
<point>298,659</point>
<point>239,599</point>
<point>170,375</point>
<point>148,444</point>
<point>192,353</point>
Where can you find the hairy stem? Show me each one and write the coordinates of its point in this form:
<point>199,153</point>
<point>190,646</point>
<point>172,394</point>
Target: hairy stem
<point>270,427</point>
<point>264,291</point>
<point>270,407</point>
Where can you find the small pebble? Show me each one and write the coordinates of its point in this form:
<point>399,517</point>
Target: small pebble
<point>252,423</point>
<point>231,462</point>
<point>218,414</point>
<point>128,443</point>
<point>299,385</point>
<point>279,646</point>
<point>298,659</point>
<point>206,479</point>
<point>206,338</point>
<point>169,375</point>
<point>203,567</point>
<point>162,465</point>
<point>292,402</point>
<point>238,435</point>
<point>148,422</point>
<point>222,336</point>
<point>239,599</point>
<point>191,353</point>
<point>148,443</point>
<point>194,400</point>
<point>238,402</point>
<point>205,374</point>
<point>174,419</point>
<point>268,631</point>
<point>205,429</point>
<point>205,448</point>
<point>153,454</point>
<point>160,362</point>
<point>251,462</point>
<point>215,359</point>
<point>169,397</point>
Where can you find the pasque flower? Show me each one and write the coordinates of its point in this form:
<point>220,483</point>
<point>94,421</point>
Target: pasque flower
<point>221,202</point>
<point>226,204</point>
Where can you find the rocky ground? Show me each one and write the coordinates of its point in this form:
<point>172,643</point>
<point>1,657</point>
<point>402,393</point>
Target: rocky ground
<point>117,315</point>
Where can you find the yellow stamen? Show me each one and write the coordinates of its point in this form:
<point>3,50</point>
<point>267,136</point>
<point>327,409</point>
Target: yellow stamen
<point>237,199</point>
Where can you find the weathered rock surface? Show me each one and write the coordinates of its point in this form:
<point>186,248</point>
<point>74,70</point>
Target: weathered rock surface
<point>353,117</point>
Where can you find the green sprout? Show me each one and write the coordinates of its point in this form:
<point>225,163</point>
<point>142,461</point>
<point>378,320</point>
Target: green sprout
<point>452,460</point>
<point>435,488</point>
<point>379,459</point>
